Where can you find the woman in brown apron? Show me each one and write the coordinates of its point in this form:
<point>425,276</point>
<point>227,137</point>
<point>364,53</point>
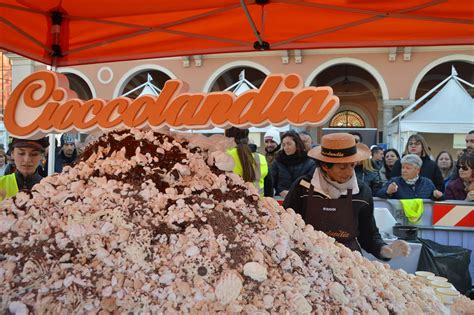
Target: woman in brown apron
<point>334,202</point>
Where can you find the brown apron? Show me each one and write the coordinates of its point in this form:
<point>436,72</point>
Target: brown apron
<point>334,217</point>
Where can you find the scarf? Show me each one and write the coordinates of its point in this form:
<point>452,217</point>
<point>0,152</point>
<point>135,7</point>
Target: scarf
<point>323,184</point>
<point>411,182</point>
<point>294,159</point>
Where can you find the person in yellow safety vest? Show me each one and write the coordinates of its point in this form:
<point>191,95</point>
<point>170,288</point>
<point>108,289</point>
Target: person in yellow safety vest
<point>251,166</point>
<point>26,154</point>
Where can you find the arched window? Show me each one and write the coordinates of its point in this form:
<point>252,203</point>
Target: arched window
<point>138,82</point>
<point>78,85</point>
<point>348,119</point>
<point>231,76</point>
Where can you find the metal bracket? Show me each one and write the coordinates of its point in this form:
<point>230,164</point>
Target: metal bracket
<point>198,60</point>
<point>285,59</point>
<point>298,56</point>
<point>186,61</point>
<point>407,53</point>
<point>392,54</point>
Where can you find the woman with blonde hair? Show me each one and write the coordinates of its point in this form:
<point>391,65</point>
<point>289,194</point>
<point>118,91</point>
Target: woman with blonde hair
<point>417,145</point>
<point>368,174</point>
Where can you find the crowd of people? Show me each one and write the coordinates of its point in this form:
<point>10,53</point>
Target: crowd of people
<point>331,185</point>
<point>413,174</point>
<point>285,159</point>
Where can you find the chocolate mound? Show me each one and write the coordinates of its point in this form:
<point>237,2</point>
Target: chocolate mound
<point>150,223</point>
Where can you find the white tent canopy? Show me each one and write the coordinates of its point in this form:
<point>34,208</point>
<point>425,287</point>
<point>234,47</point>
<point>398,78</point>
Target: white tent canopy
<point>451,110</point>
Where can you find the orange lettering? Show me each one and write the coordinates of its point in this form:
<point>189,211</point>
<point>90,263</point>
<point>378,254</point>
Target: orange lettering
<point>175,113</point>
<point>43,102</point>
<point>93,105</point>
<point>137,113</point>
<point>64,116</point>
<point>104,117</point>
<point>157,118</point>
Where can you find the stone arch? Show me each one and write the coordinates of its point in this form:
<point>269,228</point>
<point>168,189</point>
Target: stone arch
<point>234,64</point>
<point>365,83</point>
<point>434,63</point>
<point>80,75</point>
<point>132,72</point>
<point>369,123</point>
<point>356,62</point>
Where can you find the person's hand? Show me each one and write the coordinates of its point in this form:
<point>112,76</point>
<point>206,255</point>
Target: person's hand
<point>3,194</point>
<point>396,249</point>
<point>437,194</point>
<point>470,196</point>
<point>284,193</point>
<point>392,188</point>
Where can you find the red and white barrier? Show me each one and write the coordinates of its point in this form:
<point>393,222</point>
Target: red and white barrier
<point>453,215</point>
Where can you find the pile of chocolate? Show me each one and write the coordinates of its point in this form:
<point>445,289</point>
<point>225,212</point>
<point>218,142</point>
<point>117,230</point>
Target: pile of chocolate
<point>153,222</point>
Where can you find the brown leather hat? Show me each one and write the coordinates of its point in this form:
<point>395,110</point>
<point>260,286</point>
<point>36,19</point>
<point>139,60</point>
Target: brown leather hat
<point>340,148</point>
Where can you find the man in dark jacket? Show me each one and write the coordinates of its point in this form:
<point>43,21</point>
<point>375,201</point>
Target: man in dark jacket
<point>334,202</point>
<point>67,155</point>
<point>410,185</point>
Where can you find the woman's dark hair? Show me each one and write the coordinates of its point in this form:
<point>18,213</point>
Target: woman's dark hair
<point>2,153</point>
<point>467,159</point>
<point>425,149</point>
<point>388,168</point>
<point>450,158</point>
<point>296,138</point>
<point>241,138</point>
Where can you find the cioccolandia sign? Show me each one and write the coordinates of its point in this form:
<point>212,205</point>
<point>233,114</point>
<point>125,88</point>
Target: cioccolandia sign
<point>43,103</point>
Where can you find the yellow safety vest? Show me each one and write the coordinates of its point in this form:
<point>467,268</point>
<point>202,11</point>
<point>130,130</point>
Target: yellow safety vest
<point>8,185</point>
<point>261,169</point>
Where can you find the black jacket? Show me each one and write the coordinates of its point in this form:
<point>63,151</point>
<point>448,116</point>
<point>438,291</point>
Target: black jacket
<point>268,180</point>
<point>429,169</point>
<point>370,178</point>
<point>285,174</point>
<point>26,183</point>
<point>368,234</point>
<point>62,160</point>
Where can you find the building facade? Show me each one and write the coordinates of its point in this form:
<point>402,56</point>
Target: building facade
<point>373,84</point>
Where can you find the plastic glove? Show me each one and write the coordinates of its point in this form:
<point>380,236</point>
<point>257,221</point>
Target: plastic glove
<point>396,249</point>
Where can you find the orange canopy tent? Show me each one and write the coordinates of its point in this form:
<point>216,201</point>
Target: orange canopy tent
<point>71,32</point>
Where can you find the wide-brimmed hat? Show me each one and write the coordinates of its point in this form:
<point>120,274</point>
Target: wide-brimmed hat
<point>39,144</point>
<point>340,148</point>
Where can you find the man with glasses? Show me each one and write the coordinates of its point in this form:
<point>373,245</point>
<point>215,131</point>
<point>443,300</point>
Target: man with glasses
<point>334,202</point>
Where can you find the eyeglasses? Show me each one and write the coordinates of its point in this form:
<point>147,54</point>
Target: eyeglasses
<point>464,167</point>
<point>414,143</point>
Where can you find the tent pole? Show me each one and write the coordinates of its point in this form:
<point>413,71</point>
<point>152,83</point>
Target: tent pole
<point>51,154</point>
<point>259,44</point>
<point>399,135</point>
